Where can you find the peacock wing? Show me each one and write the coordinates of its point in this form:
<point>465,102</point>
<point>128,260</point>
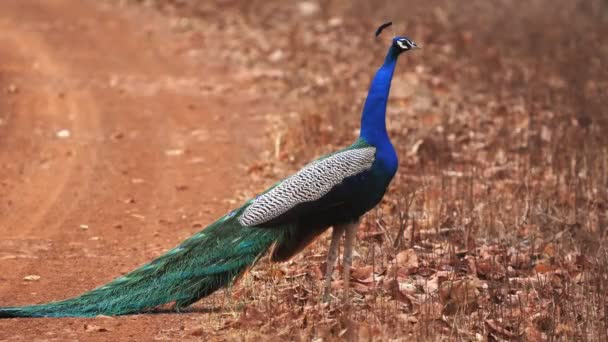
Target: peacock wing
<point>309,184</point>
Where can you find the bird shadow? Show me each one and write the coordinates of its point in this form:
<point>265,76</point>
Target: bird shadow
<point>194,310</point>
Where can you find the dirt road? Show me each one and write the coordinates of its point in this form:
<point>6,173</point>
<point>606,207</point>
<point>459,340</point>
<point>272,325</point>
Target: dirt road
<point>113,148</point>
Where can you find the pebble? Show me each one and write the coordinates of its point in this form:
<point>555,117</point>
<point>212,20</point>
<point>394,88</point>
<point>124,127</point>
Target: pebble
<point>63,134</point>
<point>335,22</point>
<point>173,153</point>
<point>12,89</point>
<point>94,328</point>
<point>276,56</point>
<point>308,8</point>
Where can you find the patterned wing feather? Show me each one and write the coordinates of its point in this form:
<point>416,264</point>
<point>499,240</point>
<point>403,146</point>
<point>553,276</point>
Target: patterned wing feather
<point>309,184</point>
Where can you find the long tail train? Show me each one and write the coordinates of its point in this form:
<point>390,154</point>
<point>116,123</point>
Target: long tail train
<point>202,264</point>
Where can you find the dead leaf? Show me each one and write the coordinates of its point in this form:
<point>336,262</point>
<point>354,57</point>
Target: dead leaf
<point>543,267</point>
<point>394,290</point>
<point>461,293</point>
<point>405,318</point>
<point>250,317</point>
<point>362,288</point>
<point>407,259</point>
<point>430,285</point>
<point>431,310</point>
<point>549,250</point>
<point>362,273</point>
<point>489,269</point>
<point>503,332</point>
<point>564,329</point>
<point>533,335</point>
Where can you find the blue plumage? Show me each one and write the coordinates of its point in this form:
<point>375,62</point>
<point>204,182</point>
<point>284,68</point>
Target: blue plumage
<point>373,121</point>
<point>333,191</point>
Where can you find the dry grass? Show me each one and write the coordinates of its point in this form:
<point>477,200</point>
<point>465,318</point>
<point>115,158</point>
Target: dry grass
<point>496,226</point>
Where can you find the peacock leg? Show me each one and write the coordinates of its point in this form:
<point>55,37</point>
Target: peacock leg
<point>349,241</point>
<point>332,256</point>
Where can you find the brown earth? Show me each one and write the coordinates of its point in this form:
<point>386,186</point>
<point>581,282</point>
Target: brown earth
<point>127,125</point>
<point>113,150</point>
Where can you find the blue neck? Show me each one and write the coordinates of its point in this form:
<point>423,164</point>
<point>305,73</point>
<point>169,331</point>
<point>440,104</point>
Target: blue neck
<point>373,121</point>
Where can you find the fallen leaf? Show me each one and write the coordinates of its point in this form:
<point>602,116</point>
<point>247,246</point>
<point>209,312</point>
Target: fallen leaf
<point>393,288</point>
<point>549,250</point>
<point>543,267</point>
<point>362,273</point>
<point>429,285</point>
<point>503,332</point>
<point>251,317</point>
<point>520,261</point>
<point>564,329</point>
<point>362,288</point>
<point>461,293</point>
<point>431,310</point>
<point>407,259</point>
<point>533,335</point>
<point>408,318</point>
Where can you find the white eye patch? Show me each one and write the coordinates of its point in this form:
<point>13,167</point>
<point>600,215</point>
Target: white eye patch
<point>403,44</point>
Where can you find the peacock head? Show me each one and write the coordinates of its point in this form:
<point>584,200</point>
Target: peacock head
<point>400,44</point>
<point>403,44</point>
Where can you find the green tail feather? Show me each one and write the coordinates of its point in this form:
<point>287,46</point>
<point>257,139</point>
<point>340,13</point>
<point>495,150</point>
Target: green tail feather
<point>206,262</point>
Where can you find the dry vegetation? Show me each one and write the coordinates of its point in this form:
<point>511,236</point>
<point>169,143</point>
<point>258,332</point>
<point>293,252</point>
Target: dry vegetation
<point>496,226</point>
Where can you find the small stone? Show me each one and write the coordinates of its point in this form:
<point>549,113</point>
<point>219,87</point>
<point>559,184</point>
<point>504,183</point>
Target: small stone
<point>94,328</point>
<point>276,56</point>
<point>117,135</point>
<point>335,22</point>
<point>12,89</point>
<point>198,332</point>
<point>308,8</point>
<point>32,277</point>
<point>174,152</point>
<point>196,160</point>
<point>63,134</point>
<point>84,226</point>
<point>138,216</point>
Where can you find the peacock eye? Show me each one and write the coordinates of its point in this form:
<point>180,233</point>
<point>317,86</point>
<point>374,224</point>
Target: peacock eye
<point>402,44</point>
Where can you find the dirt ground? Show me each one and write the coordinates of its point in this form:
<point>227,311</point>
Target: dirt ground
<point>113,150</point>
<point>128,125</point>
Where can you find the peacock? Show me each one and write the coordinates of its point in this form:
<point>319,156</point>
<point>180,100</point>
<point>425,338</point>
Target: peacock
<point>334,190</point>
